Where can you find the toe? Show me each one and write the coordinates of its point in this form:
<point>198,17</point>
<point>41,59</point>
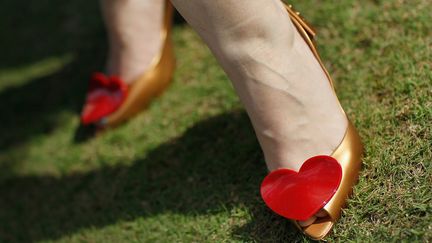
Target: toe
<point>322,213</point>
<point>307,222</point>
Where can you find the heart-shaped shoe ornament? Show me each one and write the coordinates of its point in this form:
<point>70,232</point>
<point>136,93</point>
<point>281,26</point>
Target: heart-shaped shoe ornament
<point>300,195</point>
<point>105,95</point>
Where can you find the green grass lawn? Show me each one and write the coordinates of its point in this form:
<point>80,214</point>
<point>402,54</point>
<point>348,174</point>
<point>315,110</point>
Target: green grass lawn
<point>189,168</point>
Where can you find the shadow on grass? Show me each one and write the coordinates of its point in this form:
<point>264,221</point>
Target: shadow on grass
<point>42,30</point>
<point>213,166</point>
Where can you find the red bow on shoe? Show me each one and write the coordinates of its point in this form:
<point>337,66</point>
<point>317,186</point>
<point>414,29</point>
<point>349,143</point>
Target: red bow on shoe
<point>104,96</point>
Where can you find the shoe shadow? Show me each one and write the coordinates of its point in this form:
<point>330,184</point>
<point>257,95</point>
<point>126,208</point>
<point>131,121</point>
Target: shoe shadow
<point>214,166</point>
<point>36,107</point>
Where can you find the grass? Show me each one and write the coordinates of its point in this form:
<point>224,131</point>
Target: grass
<point>189,168</point>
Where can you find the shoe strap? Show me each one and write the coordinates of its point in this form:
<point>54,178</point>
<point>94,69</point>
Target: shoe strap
<point>308,33</point>
<point>295,15</point>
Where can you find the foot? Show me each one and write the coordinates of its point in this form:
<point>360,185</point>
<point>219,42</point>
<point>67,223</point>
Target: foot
<point>294,111</point>
<point>311,220</point>
<point>134,30</point>
<point>309,120</point>
<point>304,117</point>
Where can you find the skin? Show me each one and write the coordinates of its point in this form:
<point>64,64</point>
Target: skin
<point>293,109</point>
<point>133,28</point>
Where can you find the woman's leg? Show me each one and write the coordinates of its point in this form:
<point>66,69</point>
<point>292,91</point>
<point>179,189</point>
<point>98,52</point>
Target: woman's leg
<point>287,95</point>
<point>134,28</point>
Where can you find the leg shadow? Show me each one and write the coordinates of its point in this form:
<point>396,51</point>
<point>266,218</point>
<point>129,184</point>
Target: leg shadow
<point>213,166</point>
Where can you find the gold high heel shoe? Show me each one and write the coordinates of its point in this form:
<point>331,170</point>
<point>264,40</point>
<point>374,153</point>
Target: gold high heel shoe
<point>153,82</point>
<point>111,102</point>
<point>345,160</point>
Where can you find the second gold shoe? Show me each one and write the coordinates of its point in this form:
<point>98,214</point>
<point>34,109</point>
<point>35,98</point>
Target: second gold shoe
<point>111,102</point>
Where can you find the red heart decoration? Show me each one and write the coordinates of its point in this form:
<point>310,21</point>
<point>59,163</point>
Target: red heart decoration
<point>104,96</point>
<point>300,195</point>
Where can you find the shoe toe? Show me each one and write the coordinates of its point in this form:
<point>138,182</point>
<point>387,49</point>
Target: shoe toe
<point>99,104</point>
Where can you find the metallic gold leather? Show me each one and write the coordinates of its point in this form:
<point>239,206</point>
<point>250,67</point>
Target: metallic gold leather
<point>348,153</point>
<point>153,82</point>
<point>305,25</point>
